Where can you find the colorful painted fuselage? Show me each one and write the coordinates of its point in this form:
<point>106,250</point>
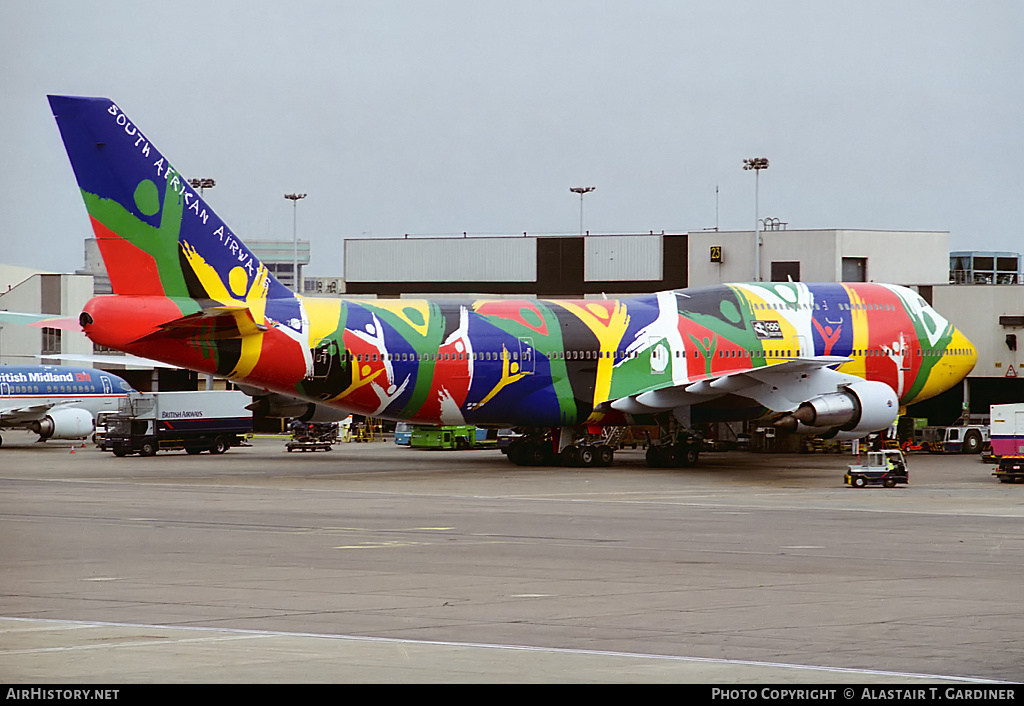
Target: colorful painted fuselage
<point>189,293</point>
<point>555,363</point>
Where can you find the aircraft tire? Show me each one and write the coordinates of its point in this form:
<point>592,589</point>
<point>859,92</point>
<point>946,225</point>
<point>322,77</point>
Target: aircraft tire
<point>657,456</point>
<point>516,454</point>
<point>569,457</point>
<point>687,456</point>
<point>606,454</point>
<point>588,457</point>
<point>545,454</point>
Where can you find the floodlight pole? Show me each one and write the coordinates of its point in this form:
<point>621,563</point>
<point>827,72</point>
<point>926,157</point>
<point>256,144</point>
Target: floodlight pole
<point>581,190</point>
<point>202,184</point>
<point>757,164</point>
<point>294,198</point>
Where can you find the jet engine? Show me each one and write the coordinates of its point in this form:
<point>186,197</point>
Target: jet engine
<point>851,412</point>
<point>66,423</point>
<point>282,406</point>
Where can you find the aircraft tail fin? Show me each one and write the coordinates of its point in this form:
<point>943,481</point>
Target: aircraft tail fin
<point>157,235</point>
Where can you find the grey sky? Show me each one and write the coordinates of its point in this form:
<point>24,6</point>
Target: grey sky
<point>416,117</point>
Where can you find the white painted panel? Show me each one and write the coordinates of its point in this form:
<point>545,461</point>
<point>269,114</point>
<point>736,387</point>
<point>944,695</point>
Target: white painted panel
<point>622,258</point>
<point>441,260</point>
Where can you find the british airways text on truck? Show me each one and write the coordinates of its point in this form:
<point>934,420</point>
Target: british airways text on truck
<point>147,422</point>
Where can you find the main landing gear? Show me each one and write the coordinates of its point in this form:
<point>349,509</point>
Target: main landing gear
<point>675,447</point>
<point>541,448</point>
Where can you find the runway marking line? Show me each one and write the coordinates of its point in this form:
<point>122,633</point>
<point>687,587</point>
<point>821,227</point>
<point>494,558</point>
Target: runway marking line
<point>239,634</point>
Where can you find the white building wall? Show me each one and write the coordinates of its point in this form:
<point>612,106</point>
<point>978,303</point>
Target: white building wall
<point>622,258</point>
<point>899,257</point>
<point>911,257</point>
<point>441,259</point>
<point>975,310</point>
<point>21,344</point>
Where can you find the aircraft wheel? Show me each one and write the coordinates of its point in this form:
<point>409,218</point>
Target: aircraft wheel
<point>588,457</point>
<point>605,455</point>
<point>570,456</point>
<point>657,456</point>
<point>516,453</point>
<point>688,456</point>
<point>543,454</point>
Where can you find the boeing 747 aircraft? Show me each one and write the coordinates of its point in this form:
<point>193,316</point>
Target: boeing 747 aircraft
<point>56,401</point>
<point>833,359</point>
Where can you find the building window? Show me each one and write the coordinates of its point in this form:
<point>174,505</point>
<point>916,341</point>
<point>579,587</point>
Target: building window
<point>51,341</point>
<point>786,271</point>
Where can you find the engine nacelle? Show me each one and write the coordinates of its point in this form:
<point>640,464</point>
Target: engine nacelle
<point>65,424</point>
<point>284,407</point>
<point>853,411</point>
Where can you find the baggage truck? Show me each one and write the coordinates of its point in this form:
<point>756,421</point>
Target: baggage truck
<point>1006,429</point>
<point>211,420</point>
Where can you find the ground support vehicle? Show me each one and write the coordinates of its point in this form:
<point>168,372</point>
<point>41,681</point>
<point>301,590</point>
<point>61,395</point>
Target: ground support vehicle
<point>1011,469</point>
<point>967,439</point>
<point>1007,430</point>
<point>211,420</point>
<point>99,436</point>
<point>886,468</point>
<point>443,437</point>
<point>403,433</point>
<point>312,436</point>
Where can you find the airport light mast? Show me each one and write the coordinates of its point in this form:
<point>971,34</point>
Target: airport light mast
<point>202,184</point>
<point>581,190</point>
<point>757,164</point>
<point>294,198</point>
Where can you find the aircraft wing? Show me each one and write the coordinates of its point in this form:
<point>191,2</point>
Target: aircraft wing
<point>125,359</point>
<point>780,387</point>
<point>18,415</point>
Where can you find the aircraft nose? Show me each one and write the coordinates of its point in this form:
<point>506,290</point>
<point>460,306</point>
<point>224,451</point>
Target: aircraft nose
<point>965,354</point>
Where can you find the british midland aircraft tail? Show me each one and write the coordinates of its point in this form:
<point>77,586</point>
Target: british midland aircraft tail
<point>835,359</point>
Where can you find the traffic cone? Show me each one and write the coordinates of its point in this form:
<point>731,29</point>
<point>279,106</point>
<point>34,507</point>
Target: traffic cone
<point>72,449</point>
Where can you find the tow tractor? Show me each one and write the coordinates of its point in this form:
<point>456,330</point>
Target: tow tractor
<point>886,468</point>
